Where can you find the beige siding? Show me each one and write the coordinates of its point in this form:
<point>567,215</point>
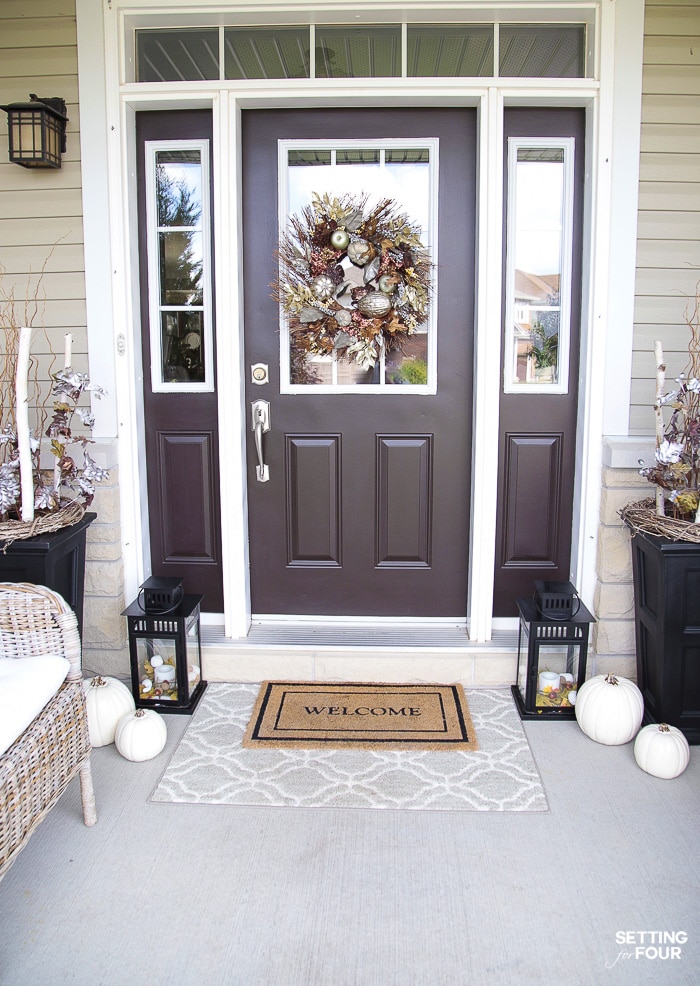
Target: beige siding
<point>41,227</point>
<point>668,249</point>
<point>41,210</point>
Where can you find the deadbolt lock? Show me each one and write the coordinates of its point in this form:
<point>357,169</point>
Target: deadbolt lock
<point>259,373</point>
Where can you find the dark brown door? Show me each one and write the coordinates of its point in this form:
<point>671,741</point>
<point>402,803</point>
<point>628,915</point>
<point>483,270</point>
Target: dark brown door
<point>181,426</point>
<point>366,511</point>
<point>537,455</point>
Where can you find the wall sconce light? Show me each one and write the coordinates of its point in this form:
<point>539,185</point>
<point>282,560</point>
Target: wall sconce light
<point>37,131</point>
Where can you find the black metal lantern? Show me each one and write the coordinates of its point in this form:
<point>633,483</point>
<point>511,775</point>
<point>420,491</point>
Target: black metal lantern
<point>552,652</point>
<point>166,653</point>
<point>37,131</point>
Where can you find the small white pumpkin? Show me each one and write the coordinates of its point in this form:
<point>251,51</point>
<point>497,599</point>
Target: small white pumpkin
<point>141,735</point>
<point>662,750</point>
<point>107,700</point>
<point>609,710</point>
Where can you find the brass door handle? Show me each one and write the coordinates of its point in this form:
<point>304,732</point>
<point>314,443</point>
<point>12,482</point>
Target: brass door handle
<point>261,423</point>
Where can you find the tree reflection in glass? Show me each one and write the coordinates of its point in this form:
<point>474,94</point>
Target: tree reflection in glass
<point>181,265</point>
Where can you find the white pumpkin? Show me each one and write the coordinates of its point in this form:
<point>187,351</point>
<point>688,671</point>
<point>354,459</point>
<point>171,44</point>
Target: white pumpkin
<point>609,709</point>
<point>662,750</point>
<point>141,735</point>
<point>107,700</point>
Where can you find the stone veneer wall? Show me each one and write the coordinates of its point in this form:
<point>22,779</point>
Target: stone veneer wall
<point>613,635</point>
<point>105,648</point>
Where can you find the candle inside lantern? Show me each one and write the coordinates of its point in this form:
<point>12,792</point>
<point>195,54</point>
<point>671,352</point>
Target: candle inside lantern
<point>165,677</point>
<point>547,679</point>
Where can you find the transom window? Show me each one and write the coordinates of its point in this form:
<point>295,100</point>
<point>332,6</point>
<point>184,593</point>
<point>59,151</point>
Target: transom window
<point>540,51</point>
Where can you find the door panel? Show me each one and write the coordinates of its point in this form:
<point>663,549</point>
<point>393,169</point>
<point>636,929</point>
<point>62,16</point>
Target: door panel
<point>404,501</point>
<point>313,500</point>
<point>367,508</point>
<point>533,485</point>
<point>181,428</point>
<point>537,456</point>
<point>188,537</point>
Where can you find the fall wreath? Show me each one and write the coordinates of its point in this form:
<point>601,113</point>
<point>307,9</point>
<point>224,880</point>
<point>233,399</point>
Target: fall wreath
<point>353,280</point>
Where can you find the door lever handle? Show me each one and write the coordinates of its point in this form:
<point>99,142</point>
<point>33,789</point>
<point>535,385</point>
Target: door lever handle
<point>260,411</point>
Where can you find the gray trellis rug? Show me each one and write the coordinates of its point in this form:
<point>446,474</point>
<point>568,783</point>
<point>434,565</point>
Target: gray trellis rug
<point>210,766</point>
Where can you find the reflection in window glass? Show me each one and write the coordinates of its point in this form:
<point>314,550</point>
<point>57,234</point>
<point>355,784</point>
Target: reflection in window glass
<point>542,51</point>
<point>177,56</point>
<point>358,52</point>
<point>433,51</point>
<point>456,51</point>
<point>401,173</point>
<point>256,53</point>
<point>538,277</point>
<point>179,268</point>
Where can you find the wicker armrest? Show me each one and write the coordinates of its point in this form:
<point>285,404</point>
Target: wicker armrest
<point>55,747</point>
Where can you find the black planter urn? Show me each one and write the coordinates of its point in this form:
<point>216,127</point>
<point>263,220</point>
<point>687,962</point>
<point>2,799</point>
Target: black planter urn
<point>56,560</point>
<point>667,629</point>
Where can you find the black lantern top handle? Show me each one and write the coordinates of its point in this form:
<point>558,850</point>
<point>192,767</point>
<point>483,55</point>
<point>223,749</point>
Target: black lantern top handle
<point>556,600</point>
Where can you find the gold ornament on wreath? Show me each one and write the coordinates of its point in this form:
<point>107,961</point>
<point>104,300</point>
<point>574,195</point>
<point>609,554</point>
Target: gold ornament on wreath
<point>354,280</point>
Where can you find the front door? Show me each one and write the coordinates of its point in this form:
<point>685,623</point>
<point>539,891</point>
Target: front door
<point>364,508</point>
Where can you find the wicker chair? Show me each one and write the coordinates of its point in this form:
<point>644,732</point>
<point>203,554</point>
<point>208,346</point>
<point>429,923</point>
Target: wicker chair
<point>55,747</point>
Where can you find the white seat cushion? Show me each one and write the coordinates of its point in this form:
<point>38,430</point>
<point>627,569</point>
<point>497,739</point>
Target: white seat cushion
<point>26,685</point>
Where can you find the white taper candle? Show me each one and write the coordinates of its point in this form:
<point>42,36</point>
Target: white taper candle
<point>26,474</point>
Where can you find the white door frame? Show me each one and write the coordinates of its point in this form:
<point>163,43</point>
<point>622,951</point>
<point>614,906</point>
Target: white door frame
<point>610,215</point>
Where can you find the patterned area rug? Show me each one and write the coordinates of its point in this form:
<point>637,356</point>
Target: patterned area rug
<point>210,766</point>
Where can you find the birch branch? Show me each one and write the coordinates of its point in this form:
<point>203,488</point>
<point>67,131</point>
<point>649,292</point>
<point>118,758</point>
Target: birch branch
<point>26,471</point>
<point>658,412</point>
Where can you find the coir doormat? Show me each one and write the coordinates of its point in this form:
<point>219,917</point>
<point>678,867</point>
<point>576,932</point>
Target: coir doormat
<point>310,715</point>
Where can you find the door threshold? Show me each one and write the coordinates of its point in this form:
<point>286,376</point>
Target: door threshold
<point>414,636</point>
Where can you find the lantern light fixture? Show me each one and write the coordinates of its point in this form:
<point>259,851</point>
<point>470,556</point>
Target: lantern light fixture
<point>37,131</point>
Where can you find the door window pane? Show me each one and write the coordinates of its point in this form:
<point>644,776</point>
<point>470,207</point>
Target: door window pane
<point>542,51</point>
<point>539,244</point>
<point>404,174</point>
<point>180,268</point>
<point>179,265</point>
<point>457,51</point>
<point>358,52</point>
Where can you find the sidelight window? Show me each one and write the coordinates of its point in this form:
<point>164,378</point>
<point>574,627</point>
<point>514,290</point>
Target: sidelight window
<point>538,264</point>
<point>179,275</point>
<point>366,171</point>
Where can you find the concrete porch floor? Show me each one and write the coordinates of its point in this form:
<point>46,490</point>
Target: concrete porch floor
<point>198,895</point>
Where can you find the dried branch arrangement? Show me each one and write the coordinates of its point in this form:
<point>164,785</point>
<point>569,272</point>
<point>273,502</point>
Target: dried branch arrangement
<point>34,499</point>
<point>675,513</point>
